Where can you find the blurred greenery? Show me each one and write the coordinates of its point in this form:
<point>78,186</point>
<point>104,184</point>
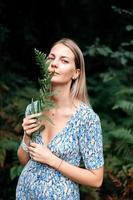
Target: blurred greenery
<point>104,31</point>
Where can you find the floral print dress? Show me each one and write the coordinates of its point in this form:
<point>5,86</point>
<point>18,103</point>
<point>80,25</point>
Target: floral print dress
<point>80,139</point>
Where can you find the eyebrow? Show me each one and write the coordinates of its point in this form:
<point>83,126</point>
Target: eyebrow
<point>52,54</point>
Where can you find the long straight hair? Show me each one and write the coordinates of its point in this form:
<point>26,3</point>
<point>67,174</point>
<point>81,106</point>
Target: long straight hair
<point>78,87</point>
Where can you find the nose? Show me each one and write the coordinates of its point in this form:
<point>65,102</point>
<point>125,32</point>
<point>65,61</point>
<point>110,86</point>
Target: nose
<point>54,63</point>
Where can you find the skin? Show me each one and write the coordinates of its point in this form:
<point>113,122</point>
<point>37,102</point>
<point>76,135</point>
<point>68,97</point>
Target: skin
<point>62,66</point>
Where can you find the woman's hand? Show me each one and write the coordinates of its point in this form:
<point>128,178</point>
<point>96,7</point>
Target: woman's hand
<point>41,153</point>
<point>31,123</point>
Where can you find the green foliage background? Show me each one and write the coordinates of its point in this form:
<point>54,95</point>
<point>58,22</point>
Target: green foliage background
<point>108,49</point>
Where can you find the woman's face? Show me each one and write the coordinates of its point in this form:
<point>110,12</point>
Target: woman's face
<point>62,64</point>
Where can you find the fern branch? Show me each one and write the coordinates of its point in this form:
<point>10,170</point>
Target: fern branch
<point>122,134</point>
<point>124,105</point>
<point>122,141</point>
<point>44,101</point>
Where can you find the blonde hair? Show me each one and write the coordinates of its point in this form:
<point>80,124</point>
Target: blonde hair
<point>78,87</point>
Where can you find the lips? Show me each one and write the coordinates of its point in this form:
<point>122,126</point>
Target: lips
<point>54,73</point>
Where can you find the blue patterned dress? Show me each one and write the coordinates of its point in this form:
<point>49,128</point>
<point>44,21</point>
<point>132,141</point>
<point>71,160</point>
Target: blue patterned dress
<point>81,138</point>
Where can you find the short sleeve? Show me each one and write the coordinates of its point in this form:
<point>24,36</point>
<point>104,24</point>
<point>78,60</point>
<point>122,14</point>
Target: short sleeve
<point>90,141</point>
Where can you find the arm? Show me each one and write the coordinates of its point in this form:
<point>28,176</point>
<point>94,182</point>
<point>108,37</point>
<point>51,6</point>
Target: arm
<point>88,177</point>
<point>30,125</point>
<point>23,156</point>
<point>90,143</point>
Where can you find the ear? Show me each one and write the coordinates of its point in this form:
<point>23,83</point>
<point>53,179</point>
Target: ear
<point>76,74</point>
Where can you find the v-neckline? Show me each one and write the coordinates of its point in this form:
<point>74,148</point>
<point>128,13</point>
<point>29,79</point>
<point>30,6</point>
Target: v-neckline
<point>63,129</point>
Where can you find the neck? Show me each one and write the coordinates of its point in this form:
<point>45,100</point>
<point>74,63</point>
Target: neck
<point>63,96</point>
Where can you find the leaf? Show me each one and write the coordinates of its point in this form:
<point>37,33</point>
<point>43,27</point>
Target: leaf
<point>129,27</point>
<point>45,117</point>
<point>44,101</point>
<point>9,144</point>
<point>124,105</point>
<point>2,157</point>
<point>32,107</point>
<point>15,171</point>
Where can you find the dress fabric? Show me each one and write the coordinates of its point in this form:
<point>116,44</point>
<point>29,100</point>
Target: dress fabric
<point>80,139</point>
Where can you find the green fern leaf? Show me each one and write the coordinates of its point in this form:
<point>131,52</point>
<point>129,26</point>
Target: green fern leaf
<point>32,107</point>
<point>44,101</point>
<point>124,105</point>
<point>123,134</point>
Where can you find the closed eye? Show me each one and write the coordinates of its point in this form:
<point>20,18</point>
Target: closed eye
<point>50,58</point>
<point>65,61</point>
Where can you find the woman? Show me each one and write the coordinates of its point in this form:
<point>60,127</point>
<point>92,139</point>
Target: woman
<point>52,161</point>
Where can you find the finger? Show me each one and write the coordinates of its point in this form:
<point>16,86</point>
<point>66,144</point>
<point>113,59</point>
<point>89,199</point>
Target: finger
<point>33,145</point>
<point>34,120</point>
<point>28,121</point>
<point>29,127</point>
<point>30,132</point>
<point>34,115</point>
<point>36,128</point>
<point>32,155</point>
<point>31,149</point>
<point>32,126</point>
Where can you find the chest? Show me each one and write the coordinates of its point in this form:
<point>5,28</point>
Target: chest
<point>54,126</point>
<point>65,143</point>
<point>62,137</point>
